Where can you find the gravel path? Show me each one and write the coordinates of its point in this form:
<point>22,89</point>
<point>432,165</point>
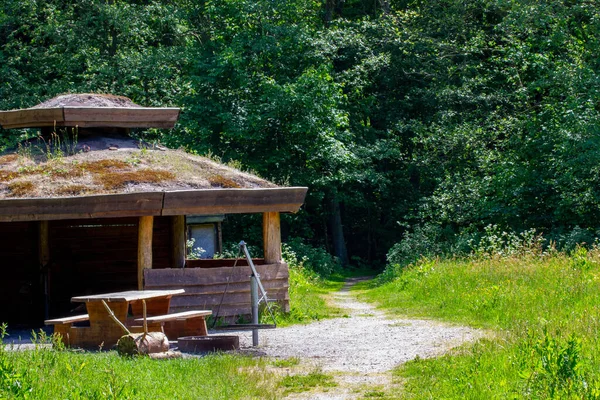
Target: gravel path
<point>361,349</point>
<point>366,341</point>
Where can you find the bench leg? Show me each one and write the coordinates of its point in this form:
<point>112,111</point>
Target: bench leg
<point>63,330</point>
<point>196,325</point>
<point>188,327</point>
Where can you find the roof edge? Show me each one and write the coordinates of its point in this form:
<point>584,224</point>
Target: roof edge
<point>166,203</point>
<point>119,117</point>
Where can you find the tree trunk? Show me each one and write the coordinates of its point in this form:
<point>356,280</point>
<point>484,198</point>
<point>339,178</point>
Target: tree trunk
<point>337,232</point>
<point>333,7</point>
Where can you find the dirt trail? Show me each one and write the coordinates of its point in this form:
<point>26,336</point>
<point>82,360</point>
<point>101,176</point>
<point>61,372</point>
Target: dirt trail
<point>360,350</point>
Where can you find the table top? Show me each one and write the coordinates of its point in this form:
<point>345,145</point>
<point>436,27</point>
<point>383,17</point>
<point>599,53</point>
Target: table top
<point>131,295</point>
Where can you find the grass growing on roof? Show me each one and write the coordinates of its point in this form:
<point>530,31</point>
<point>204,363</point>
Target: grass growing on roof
<point>544,312</point>
<point>91,167</point>
<point>221,181</point>
<point>118,179</point>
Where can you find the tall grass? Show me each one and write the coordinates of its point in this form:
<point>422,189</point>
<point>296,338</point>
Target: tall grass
<point>543,310</point>
<point>46,373</point>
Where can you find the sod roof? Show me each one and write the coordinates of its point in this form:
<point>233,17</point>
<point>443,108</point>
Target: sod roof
<point>110,165</point>
<point>95,170</point>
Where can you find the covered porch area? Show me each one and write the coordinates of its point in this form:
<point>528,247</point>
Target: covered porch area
<point>54,249</point>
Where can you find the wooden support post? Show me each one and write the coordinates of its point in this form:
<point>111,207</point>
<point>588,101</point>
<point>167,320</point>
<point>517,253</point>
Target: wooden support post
<point>144,247</point>
<point>178,241</point>
<point>272,237</point>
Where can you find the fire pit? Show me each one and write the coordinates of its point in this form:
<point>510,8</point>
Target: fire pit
<point>206,344</point>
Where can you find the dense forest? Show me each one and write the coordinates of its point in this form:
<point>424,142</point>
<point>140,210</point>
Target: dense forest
<point>427,124</point>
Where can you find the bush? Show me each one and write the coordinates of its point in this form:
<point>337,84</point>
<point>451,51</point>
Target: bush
<point>577,237</point>
<point>554,366</point>
<point>318,260</point>
<point>496,242</point>
<point>426,240</point>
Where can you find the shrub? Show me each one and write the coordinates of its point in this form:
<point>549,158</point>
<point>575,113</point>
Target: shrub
<point>554,366</point>
<point>296,253</point>
<point>577,237</point>
<point>426,240</point>
<point>496,242</point>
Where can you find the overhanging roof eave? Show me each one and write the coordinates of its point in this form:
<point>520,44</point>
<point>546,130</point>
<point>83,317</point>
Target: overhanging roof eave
<point>120,117</point>
<point>199,201</point>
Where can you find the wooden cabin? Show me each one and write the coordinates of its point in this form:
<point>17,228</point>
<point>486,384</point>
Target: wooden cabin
<point>86,209</point>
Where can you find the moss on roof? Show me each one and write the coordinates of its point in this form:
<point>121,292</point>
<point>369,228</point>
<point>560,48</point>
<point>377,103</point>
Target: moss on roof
<point>111,165</point>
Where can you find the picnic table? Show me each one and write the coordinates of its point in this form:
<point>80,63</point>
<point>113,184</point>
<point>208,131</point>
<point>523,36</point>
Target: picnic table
<point>127,307</point>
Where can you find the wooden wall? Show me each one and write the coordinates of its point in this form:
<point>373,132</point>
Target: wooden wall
<point>98,255</point>
<point>20,279</point>
<point>204,287</point>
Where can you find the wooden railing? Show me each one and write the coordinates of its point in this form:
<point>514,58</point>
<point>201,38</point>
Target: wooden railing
<point>204,286</point>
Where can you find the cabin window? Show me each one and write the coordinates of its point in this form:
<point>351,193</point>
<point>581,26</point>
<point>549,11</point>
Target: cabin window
<point>203,235</point>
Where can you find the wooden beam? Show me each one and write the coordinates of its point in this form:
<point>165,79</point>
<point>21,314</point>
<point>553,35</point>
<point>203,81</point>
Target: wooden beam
<point>43,243</point>
<point>233,201</point>
<point>121,114</point>
<point>137,117</point>
<point>21,118</point>
<point>144,248</point>
<point>100,206</point>
<point>178,241</point>
<point>204,287</point>
<point>184,202</point>
<point>272,237</point>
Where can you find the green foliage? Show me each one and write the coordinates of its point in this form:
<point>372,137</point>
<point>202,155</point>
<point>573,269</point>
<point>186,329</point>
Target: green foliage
<point>513,131</point>
<point>425,241</point>
<point>555,369</point>
<point>308,289</point>
<point>193,253</point>
<point>286,362</point>
<point>497,243</point>
<point>300,255</point>
<point>14,383</point>
<point>540,309</point>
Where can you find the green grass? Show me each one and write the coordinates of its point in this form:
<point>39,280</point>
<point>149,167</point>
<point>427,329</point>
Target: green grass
<point>51,374</point>
<point>303,383</point>
<point>285,362</point>
<point>543,312</point>
<point>308,302</point>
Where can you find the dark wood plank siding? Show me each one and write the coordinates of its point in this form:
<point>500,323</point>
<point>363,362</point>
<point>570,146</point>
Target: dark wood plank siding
<point>161,243</point>
<point>91,256</point>
<point>205,286</point>
<point>20,284</point>
<point>97,256</point>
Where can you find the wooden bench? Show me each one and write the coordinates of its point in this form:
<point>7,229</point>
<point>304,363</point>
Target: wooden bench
<point>62,326</point>
<point>67,320</point>
<point>185,323</point>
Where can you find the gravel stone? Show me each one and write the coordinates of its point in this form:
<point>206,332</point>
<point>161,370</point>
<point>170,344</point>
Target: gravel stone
<point>365,342</point>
